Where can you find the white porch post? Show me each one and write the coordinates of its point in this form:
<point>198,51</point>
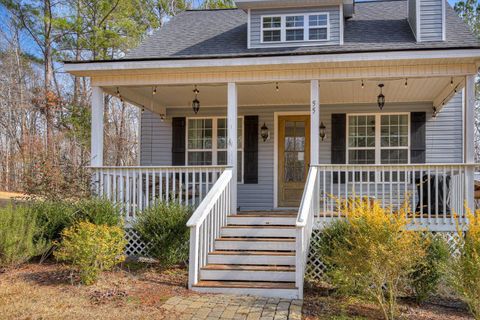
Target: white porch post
<point>469,148</point>
<point>314,122</point>
<point>232,141</point>
<point>96,155</point>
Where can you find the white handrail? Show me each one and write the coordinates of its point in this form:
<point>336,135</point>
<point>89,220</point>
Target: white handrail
<point>206,205</point>
<point>206,223</point>
<point>305,219</point>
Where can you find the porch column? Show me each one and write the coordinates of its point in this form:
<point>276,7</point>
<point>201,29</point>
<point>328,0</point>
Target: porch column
<point>232,140</point>
<point>314,122</point>
<point>96,155</point>
<point>469,144</point>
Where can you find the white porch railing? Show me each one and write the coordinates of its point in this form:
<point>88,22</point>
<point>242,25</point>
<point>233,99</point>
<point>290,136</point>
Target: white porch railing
<point>206,223</point>
<point>309,207</point>
<point>434,192</point>
<point>135,188</point>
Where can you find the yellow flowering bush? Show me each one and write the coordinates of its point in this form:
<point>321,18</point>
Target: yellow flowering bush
<point>465,269</point>
<point>374,254</point>
<point>92,248</point>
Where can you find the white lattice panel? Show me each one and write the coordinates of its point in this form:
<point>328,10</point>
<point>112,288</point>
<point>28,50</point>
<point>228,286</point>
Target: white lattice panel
<point>315,267</point>
<point>135,246</point>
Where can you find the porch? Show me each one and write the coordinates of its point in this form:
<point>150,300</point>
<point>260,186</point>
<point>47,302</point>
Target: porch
<point>291,144</point>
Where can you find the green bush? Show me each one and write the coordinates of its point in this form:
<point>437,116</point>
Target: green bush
<point>429,271</point>
<point>464,274</point>
<point>371,253</point>
<point>92,249</point>
<point>53,216</point>
<point>17,232</point>
<point>163,226</point>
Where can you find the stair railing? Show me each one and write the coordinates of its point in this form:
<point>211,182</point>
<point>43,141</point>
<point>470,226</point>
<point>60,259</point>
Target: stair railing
<point>309,207</point>
<point>206,222</point>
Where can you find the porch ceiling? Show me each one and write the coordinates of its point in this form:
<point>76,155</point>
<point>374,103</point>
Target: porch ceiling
<point>289,93</point>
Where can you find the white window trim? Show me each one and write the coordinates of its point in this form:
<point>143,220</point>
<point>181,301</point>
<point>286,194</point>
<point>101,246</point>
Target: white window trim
<point>378,147</point>
<point>283,28</point>
<point>215,148</point>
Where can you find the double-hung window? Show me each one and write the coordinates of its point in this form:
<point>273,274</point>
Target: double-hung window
<point>272,29</point>
<point>295,27</point>
<point>378,138</point>
<point>207,142</point>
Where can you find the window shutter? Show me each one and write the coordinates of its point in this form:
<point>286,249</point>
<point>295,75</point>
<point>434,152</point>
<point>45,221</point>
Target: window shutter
<point>178,141</point>
<point>250,174</point>
<point>417,137</point>
<point>339,139</point>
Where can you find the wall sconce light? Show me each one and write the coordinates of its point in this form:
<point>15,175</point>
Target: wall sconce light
<point>195,102</point>
<point>322,131</point>
<point>381,97</point>
<point>264,132</point>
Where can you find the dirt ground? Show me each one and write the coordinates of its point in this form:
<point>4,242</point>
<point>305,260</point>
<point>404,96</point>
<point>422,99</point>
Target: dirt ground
<point>50,291</point>
<point>6,197</point>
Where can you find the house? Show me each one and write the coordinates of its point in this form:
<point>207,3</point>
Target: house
<point>262,116</point>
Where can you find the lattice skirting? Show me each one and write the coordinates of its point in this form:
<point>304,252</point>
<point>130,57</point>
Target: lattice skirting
<point>315,267</point>
<point>135,246</point>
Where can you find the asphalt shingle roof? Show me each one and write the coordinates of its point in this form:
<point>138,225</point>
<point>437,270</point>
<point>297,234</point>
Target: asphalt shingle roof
<point>376,26</point>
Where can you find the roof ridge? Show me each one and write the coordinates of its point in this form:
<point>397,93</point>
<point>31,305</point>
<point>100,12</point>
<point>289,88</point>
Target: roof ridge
<point>217,9</point>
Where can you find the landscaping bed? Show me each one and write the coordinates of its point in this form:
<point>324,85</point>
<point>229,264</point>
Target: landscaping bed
<point>48,291</point>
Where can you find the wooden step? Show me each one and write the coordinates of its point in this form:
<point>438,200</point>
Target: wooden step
<point>255,244</point>
<point>248,273</point>
<point>258,231</point>
<point>261,220</point>
<point>277,258</point>
<point>285,290</point>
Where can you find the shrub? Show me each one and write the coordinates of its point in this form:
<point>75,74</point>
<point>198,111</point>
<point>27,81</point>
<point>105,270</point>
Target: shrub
<point>429,271</point>
<point>464,272</point>
<point>17,232</point>
<point>98,211</point>
<point>374,256</point>
<point>163,226</point>
<point>92,249</point>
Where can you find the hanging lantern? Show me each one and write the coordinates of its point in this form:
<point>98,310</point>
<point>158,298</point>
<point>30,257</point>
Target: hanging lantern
<point>322,131</point>
<point>381,97</point>
<point>195,102</point>
<point>264,132</point>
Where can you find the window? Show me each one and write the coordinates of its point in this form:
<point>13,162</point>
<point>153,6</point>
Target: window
<point>380,138</point>
<point>318,27</point>
<point>294,28</point>
<point>272,29</point>
<point>207,142</point>
<point>299,27</point>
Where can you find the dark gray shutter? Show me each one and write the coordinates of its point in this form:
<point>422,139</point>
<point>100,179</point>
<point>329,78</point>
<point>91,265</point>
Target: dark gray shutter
<point>178,141</point>
<point>339,139</point>
<point>417,137</point>
<point>250,150</point>
<point>339,143</point>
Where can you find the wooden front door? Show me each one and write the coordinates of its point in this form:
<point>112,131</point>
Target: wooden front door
<point>293,158</point>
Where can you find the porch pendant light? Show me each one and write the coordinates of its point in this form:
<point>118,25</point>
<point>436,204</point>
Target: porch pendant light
<point>381,97</point>
<point>195,102</point>
<point>322,131</point>
<point>264,132</point>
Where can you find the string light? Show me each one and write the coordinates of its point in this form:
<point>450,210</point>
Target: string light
<point>118,93</point>
<point>363,84</point>
<point>276,86</point>
<point>435,112</point>
<point>406,82</point>
<point>154,90</point>
<point>451,81</point>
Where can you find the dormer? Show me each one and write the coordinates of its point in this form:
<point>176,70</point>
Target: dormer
<point>427,19</point>
<point>295,23</point>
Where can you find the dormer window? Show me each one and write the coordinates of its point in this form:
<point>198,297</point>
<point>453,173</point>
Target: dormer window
<point>296,27</point>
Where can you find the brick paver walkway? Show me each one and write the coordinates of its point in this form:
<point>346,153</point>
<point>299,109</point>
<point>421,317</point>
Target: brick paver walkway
<point>232,307</point>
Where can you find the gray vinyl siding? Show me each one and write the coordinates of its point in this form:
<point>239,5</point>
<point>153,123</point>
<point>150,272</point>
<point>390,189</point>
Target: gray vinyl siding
<point>255,26</point>
<point>412,16</point>
<point>431,17</point>
<point>443,139</point>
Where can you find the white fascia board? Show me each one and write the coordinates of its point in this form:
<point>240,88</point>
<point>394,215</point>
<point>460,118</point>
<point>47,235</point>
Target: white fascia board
<point>271,60</point>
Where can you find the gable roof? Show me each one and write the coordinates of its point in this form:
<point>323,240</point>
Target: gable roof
<point>376,26</point>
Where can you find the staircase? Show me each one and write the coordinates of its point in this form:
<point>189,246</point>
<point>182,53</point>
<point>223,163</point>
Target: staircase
<point>254,254</point>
